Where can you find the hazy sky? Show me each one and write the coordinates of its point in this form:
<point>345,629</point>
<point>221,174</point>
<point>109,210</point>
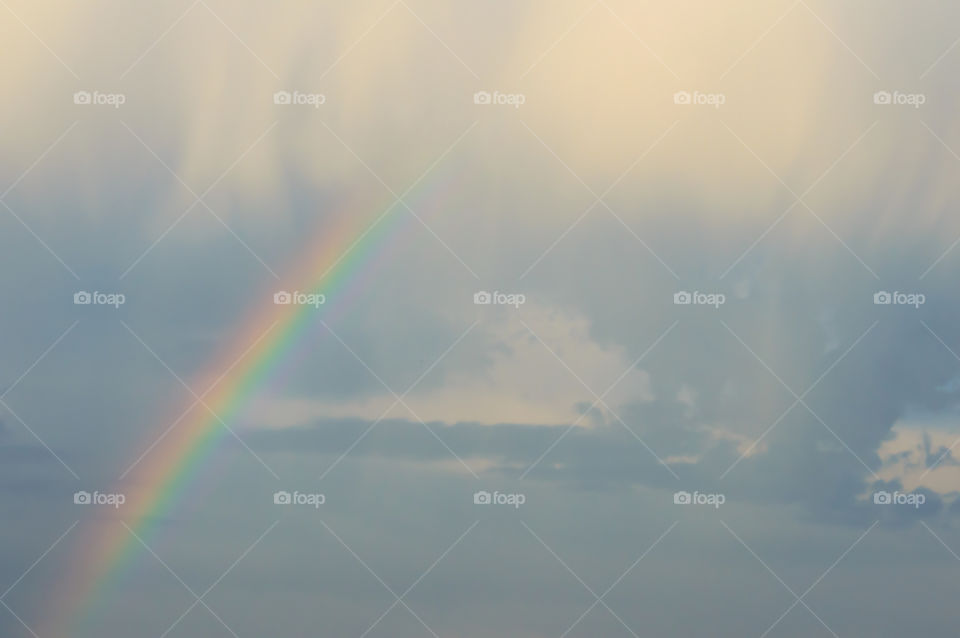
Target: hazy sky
<point>673,284</point>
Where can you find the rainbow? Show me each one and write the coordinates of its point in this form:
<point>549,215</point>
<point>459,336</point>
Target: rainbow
<point>336,263</point>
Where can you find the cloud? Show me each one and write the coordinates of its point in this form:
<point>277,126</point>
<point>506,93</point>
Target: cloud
<point>542,368</point>
<point>598,199</point>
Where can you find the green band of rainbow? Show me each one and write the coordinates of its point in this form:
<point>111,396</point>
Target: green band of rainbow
<point>330,265</point>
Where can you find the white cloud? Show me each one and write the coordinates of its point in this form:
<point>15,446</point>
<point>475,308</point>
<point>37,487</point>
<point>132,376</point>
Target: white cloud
<point>524,383</point>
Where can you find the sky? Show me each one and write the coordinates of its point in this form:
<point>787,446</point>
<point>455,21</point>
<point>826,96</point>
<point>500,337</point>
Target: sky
<point>417,318</point>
